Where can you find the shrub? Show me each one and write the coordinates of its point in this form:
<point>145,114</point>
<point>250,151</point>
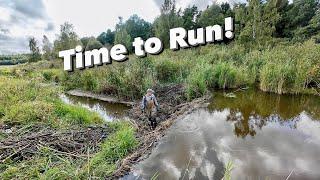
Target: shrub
<point>52,75</point>
<point>170,71</point>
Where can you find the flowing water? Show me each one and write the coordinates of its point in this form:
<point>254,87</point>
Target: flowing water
<point>265,136</point>
<point>108,111</point>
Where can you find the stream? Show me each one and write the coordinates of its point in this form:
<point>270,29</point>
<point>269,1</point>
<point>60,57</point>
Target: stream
<point>264,136</point>
<point>108,111</point>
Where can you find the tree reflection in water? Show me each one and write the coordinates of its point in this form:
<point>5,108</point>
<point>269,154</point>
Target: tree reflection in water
<point>251,110</point>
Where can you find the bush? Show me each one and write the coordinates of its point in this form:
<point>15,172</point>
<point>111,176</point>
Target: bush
<point>52,75</point>
<point>170,71</point>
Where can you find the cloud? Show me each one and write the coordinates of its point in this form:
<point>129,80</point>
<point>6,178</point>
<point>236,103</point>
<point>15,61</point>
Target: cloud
<point>10,45</point>
<point>201,4</point>
<point>50,27</point>
<point>30,8</point>
<point>20,19</point>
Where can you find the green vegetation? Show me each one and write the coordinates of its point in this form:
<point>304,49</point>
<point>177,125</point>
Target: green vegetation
<point>227,171</point>
<point>13,59</point>
<point>24,102</point>
<point>276,48</point>
<point>115,148</point>
<point>28,99</point>
<point>49,165</point>
<point>282,69</point>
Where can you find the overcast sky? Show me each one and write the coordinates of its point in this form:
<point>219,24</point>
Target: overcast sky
<point>20,19</point>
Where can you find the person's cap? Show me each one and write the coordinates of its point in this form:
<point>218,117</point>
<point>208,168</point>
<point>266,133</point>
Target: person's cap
<point>150,90</point>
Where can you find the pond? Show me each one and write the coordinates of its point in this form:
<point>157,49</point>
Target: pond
<point>108,111</point>
<point>264,136</point>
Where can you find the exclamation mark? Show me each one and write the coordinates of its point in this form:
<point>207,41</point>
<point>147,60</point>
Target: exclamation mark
<point>228,27</point>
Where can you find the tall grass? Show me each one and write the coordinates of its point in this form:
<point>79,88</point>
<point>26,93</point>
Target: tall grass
<point>24,102</point>
<point>116,147</point>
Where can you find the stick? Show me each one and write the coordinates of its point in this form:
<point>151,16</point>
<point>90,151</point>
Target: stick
<point>289,174</point>
<point>186,168</point>
<point>65,153</point>
<point>15,153</point>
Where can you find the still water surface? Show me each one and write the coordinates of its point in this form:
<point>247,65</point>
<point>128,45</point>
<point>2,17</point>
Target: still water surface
<point>108,111</point>
<point>265,136</point>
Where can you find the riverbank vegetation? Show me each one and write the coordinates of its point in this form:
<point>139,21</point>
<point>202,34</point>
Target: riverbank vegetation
<point>42,137</point>
<point>282,69</point>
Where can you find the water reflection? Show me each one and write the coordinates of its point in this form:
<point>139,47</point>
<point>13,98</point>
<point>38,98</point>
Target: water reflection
<point>108,111</point>
<point>278,135</point>
<point>252,110</point>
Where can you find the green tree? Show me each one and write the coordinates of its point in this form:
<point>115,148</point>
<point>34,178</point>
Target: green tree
<point>211,16</point>
<point>189,17</point>
<point>137,27</point>
<point>67,39</point>
<point>35,51</point>
<point>299,13</point>
<point>106,38</point>
<point>261,23</point>
<point>47,49</point>
<point>122,36</point>
<point>168,19</point>
<point>85,41</point>
<point>93,43</point>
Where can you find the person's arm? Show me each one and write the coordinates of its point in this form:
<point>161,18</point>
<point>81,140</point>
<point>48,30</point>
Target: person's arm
<point>156,102</point>
<point>143,106</point>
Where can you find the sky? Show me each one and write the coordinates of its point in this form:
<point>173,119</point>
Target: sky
<point>21,19</point>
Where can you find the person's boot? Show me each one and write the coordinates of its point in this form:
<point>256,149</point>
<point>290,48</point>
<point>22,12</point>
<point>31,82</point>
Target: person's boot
<point>155,124</point>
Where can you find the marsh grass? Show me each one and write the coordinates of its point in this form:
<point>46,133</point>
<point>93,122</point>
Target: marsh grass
<point>293,68</point>
<point>227,172</point>
<point>118,145</point>
<point>24,102</point>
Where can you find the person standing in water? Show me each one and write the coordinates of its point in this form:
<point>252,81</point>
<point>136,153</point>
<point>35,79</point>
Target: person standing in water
<point>150,106</point>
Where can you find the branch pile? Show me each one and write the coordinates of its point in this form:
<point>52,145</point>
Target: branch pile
<point>73,143</point>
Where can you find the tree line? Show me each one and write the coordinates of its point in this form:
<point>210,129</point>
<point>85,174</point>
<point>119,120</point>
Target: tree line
<point>258,24</point>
